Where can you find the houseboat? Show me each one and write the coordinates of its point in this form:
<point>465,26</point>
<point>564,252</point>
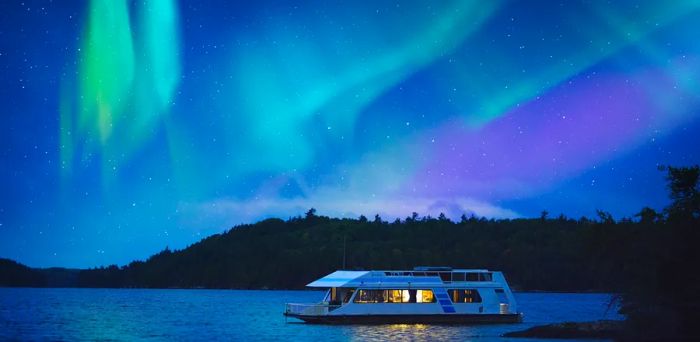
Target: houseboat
<point>424,295</point>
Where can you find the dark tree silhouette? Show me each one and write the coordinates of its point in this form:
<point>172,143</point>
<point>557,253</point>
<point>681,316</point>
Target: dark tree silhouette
<point>311,214</point>
<point>648,215</point>
<point>661,298</point>
<point>683,188</point>
<point>605,217</point>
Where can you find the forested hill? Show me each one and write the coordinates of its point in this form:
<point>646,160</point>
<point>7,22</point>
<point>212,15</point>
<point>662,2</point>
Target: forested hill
<point>536,254</point>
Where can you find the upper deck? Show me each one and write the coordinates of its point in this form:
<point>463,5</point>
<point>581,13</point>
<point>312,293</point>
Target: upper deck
<point>419,276</point>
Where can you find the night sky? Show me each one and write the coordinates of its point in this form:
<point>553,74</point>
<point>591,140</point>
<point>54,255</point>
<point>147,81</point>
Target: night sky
<point>128,126</point>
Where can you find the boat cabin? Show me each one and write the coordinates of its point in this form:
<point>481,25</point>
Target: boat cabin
<point>424,294</point>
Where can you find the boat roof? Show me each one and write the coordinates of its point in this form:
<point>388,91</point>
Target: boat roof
<point>337,279</point>
<point>359,278</point>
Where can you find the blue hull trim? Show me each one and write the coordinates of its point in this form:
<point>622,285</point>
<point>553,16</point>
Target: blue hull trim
<point>411,319</point>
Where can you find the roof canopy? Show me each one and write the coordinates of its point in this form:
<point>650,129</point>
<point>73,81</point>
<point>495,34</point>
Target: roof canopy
<point>337,279</point>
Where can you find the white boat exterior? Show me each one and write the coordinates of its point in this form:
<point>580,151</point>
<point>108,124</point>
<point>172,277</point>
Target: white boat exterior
<point>422,295</point>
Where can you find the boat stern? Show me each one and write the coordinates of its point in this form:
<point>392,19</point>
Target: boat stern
<point>301,310</point>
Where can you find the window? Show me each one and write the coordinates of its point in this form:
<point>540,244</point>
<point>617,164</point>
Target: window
<point>425,296</point>
<point>446,276</point>
<point>395,296</point>
<point>486,277</point>
<point>464,296</point>
<point>370,296</point>
<point>459,276</point>
<point>348,295</point>
<point>472,276</point>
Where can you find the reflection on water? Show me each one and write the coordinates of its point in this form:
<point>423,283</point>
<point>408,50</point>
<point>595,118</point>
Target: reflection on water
<point>99,314</point>
<point>397,332</point>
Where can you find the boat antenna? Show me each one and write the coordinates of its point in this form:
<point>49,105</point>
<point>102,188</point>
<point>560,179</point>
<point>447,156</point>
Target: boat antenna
<point>344,251</point>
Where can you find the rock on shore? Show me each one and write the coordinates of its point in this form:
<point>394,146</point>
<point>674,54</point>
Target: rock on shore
<point>597,329</point>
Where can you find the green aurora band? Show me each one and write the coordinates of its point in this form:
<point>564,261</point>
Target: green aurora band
<point>124,85</point>
<point>284,87</point>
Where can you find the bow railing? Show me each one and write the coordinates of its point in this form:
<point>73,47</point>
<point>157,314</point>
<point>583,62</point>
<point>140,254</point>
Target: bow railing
<point>321,309</point>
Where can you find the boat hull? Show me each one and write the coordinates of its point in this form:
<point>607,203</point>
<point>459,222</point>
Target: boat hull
<point>410,319</point>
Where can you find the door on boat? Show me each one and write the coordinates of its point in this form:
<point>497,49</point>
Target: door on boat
<point>340,295</point>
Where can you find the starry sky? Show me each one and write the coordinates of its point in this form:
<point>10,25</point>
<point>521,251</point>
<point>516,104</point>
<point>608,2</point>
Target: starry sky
<point>128,126</point>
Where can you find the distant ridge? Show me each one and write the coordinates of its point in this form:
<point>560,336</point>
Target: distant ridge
<point>17,275</point>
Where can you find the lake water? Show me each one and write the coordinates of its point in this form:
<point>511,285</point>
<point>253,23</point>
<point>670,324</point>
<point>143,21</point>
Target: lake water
<point>126,314</point>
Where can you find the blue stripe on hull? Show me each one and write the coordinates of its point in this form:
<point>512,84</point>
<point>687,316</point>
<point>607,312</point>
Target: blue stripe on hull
<point>448,309</point>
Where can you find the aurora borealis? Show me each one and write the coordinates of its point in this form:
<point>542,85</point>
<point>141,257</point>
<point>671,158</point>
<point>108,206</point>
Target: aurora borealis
<point>131,125</point>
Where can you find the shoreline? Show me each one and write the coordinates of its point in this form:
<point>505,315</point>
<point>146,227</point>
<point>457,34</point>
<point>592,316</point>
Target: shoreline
<point>602,329</point>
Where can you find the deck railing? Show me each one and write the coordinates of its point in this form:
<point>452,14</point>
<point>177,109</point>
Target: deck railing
<point>309,309</point>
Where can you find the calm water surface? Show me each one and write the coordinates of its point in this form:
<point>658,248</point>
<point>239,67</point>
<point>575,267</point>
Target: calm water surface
<point>113,314</point>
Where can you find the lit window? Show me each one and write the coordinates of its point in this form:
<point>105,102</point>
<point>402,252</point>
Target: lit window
<point>464,296</point>
<point>405,296</point>
<point>394,296</point>
<point>425,296</point>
